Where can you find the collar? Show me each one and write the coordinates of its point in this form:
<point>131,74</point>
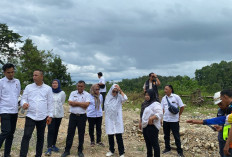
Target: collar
<point>40,85</point>
<point>170,95</point>
<point>80,93</point>
<point>6,79</point>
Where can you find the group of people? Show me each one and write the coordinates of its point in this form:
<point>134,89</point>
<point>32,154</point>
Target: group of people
<point>222,123</point>
<point>154,114</point>
<point>44,105</point>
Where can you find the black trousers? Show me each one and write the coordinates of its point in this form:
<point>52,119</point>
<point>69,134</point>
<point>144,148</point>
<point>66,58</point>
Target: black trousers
<point>92,122</point>
<point>175,127</point>
<point>53,130</point>
<point>78,121</point>
<point>221,143</point>
<point>103,95</point>
<point>8,126</point>
<point>30,125</point>
<point>151,136</point>
<point>119,141</point>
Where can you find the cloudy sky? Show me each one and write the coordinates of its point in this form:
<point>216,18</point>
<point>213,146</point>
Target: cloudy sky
<point>126,38</point>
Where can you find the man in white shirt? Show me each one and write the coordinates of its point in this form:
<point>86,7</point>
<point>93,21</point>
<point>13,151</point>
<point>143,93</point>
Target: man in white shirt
<point>78,100</point>
<point>9,92</point>
<point>102,84</point>
<point>37,100</point>
<point>171,120</point>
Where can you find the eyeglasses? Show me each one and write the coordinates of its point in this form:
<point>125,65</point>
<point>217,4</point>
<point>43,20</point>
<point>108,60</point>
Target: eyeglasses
<point>114,91</point>
<point>97,89</point>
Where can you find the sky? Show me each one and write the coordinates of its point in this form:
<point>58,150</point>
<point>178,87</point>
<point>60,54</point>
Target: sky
<point>126,38</point>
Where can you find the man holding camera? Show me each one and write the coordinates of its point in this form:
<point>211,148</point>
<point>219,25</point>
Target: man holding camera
<point>152,83</point>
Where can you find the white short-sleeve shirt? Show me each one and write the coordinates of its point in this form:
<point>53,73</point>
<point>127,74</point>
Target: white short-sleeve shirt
<point>79,97</point>
<point>102,80</point>
<point>176,101</point>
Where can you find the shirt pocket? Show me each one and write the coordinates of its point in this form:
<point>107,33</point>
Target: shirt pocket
<point>5,90</point>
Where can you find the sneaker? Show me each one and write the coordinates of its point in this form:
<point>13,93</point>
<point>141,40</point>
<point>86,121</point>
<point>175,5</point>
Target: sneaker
<point>122,155</point>
<point>80,154</point>
<point>48,152</point>
<point>65,154</point>
<point>100,144</point>
<point>166,151</point>
<point>92,144</point>
<point>109,154</point>
<point>55,149</point>
<point>180,154</point>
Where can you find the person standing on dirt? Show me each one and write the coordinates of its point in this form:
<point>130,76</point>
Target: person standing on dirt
<point>171,120</point>
<point>79,101</point>
<point>152,83</point>
<point>9,92</point>
<point>102,85</point>
<point>94,114</point>
<point>37,99</point>
<point>113,118</point>
<point>58,113</point>
<point>150,119</point>
<point>225,104</point>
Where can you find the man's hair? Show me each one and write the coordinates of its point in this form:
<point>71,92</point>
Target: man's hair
<point>227,92</point>
<point>7,66</point>
<point>170,86</point>
<point>151,74</point>
<point>100,74</point>
<point>81,81</point>
<point>41,71</point>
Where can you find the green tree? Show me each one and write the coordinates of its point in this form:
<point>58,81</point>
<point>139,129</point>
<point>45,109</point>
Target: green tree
<point>30,60</point>
<point>57,70</point>
<point>8,41</point>
<point>216,76</point>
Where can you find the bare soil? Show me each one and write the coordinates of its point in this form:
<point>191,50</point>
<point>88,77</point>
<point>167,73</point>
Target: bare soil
<point>197,140</point>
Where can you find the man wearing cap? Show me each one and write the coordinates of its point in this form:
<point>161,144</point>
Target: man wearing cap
<point>102,84</point>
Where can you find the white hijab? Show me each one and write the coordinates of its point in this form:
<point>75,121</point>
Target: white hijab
<point>112,103</point>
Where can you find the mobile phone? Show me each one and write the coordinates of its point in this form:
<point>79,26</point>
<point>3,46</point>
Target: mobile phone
<point>213,128</point>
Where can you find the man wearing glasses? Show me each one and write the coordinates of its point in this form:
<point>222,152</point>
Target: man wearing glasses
<point>152,83</point>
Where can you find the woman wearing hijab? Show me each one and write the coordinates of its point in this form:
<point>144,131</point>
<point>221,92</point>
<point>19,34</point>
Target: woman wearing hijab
<point>58,113</point>
<point>94,114</point>
<point>113,118</point>
<point>150,119</point>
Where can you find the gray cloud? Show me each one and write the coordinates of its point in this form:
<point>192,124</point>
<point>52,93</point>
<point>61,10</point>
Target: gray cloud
<point>125,39</point>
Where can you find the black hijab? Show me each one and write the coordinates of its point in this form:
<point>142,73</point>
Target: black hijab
<point>146,103</point>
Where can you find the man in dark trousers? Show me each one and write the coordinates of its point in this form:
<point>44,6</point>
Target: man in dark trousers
<point>102,84</point>
<point>78,100</point>
<point>37,99</point>
<point>9,93</point>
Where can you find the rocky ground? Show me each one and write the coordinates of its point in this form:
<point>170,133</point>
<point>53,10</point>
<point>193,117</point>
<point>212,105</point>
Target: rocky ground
<point>197,140</point>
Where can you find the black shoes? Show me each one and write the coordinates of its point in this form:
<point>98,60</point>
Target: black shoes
<point>80,154</point>
<point>180,154</point>
<point>65,154</point>
<point>166,151</point>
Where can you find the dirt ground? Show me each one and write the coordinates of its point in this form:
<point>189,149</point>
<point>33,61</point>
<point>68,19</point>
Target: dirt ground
<point>197,140</point>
